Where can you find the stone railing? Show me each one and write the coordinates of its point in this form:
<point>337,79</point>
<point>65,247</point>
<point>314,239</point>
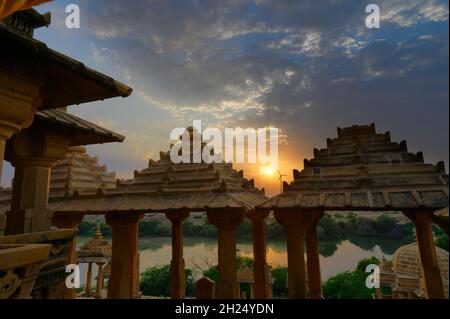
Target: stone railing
<point>19,268</point>
<point>50,281</point>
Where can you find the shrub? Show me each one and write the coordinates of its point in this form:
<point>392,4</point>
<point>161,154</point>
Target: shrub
<point>362,265</point>
<point>347,285</point>
<point>155,281</point>
<point>279,287</point>
<point>350,284</point>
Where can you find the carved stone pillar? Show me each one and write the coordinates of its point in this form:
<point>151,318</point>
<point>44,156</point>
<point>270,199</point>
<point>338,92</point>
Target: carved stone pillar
<point>259,255</point>
<point>226,221</point>
<point>434,287</point>
<point>124,281</point>
<point>312,253</point>
<point>32,154</point>
<point>177,266</point>
<point>295,232</point>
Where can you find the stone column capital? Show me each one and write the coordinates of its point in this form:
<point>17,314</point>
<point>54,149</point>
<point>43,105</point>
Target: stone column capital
<point>257,215</point>
<point>17,107</point>
<point>67,220</point>
<point>311,218</point>
<point>123,219</point>
<point>177,217</point>
<point>36,149</point>
<point>292,221</point>
<point>225,219</point>
<point>419,217</point>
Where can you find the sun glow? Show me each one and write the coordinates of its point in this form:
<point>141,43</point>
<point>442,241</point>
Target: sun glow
<point>267,170</point>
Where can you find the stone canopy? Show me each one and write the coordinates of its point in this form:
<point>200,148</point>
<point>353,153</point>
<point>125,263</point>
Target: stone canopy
<point>364,170</point>
<point>164,186</point>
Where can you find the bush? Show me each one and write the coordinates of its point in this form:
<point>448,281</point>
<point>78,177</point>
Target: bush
<point>362,265</point>
<point>155,281</point>
<point>350,284</point>
<point>279,275</point>
<point>347,285</point>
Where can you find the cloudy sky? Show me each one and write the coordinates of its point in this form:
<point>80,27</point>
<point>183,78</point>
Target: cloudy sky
<point>305,67</point>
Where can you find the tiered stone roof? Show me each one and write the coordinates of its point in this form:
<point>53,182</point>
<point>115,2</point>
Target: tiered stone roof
<point>364,170</point>
<point>79,172</point>
<point>97,249</point>
<point>164,186</point>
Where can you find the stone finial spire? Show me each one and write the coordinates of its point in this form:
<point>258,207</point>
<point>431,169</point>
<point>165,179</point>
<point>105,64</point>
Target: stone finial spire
<point>98,232</point>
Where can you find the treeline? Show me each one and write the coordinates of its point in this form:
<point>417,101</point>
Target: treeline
<point>328,227</point>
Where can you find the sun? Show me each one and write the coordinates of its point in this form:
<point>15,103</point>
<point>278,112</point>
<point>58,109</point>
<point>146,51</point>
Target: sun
<point>268,171</point>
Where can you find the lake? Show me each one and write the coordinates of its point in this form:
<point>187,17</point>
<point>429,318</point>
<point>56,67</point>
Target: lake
<point>200,253</point>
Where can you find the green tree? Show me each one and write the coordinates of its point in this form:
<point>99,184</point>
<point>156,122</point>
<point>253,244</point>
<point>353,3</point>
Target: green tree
<point>153,227</point>
<point>330,227</point>
<point>350,284</point>
<point>362,265</point>
<point>442,241</point>
<point>85,228</point>
<point>106,230</point>
<point>385,224</point>
<point>347,285</point>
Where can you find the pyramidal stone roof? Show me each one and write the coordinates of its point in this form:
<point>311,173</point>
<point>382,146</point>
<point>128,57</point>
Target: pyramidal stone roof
<point>97,246</point>
<point>364,170</point>
<point>79,172</point>
<point>164,177</point>
<point>164,186</point>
